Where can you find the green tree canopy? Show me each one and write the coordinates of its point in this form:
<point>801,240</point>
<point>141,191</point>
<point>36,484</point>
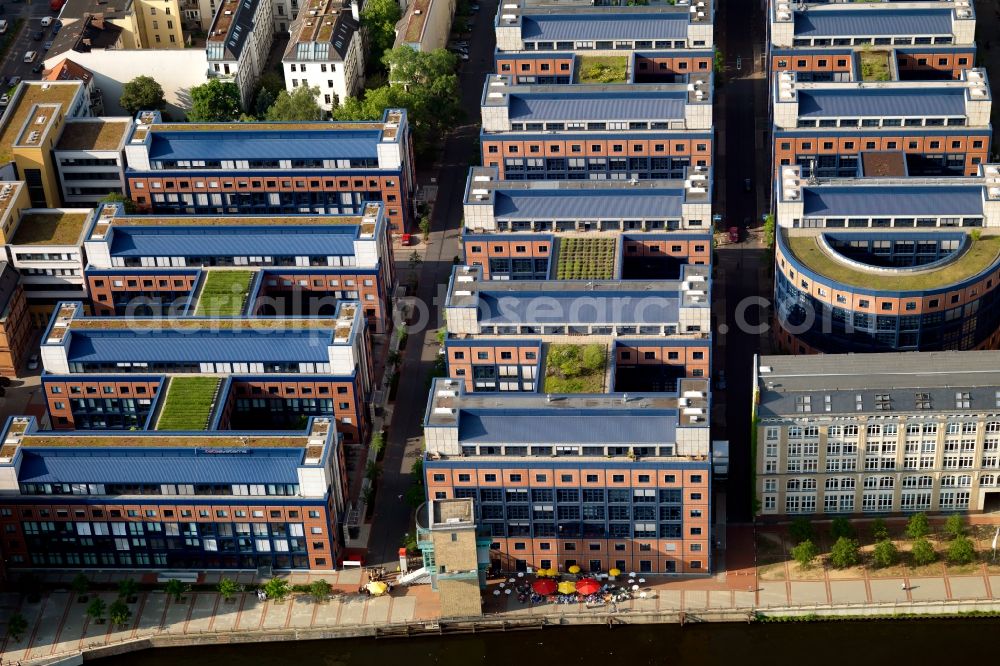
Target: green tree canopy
<point>801,530</point>
<point>961,550</point>
<point>885,553</point>
<point>841,527</point>
<point>228,588</point>
<point>425,84</point>
<point>120,613</point>
<point>276,588</point>
<point>16,626</point>
<point>923,552</point>
<point>300,104</point>
<point>96,609</point>
<point>805,553</point>
<point>215,102</point>
<point>118,197</point>
<point>381,17</point>
<point>954,526</point>
<point>879,530</point>
<point>844,553</point>
<point>918,526</point>
<point>142,93</point>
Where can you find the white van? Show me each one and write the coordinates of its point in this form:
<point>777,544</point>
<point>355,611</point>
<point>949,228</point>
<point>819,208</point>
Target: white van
<point>3,26</point>
<point>30,56</point>
<point>47,21</point>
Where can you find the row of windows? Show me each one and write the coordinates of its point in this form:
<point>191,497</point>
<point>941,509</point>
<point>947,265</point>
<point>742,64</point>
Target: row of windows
<point>933,144</point>
<point>560,495</point>
<point>877,41</point>
<point>513,149</point>
<point>842,62</point>
<point>262,489</point>
<point>629,45</point>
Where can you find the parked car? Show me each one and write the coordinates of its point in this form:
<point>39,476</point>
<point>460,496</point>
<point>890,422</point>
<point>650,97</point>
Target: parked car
<point>406,239</point>
<point>4,100</point>
<point>38,35</point>
<point>47,21</point>
<point>473,8</point>
<point>734,234</point>
<point>33,362</point>
<point>14,80</point>
<point>55,28</point>
<point>746,184</point>
<point>47,45</point>
<point>720,380</point>
<point>30,56</point>
<point>3,26</point>
<point>39,66</point>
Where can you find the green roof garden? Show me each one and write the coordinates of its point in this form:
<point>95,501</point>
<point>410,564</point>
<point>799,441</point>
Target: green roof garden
<point>586,259</point>
<point>982,254</point>
<point>875,65</point>
<point>224,293</point>
<point>575,368</point>
<point>601,69</point>
<point>50,228</point>
<point>188,403</point>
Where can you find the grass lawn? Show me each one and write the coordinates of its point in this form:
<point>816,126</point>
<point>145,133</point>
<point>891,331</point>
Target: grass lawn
<point>50,229</point>
<point>979,257</point>
<point>601,69</point>
<point>874,65</point>
<point>188,403</point>
<point>586,259</point>
<point>575,368</point>
<point>224,293</point>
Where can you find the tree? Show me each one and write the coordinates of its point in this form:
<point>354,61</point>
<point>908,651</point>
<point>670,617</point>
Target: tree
<point>885,553</point>
<point>954,526</point>
<point>918,526</point>
<point>805,553</point>
<point>380,17</point>
<point>879,530</point>
<point>300,104</point>
<point>96,610</point>
<point>769,230</point>
<point>272,82</point>
<point>127,589</point>
<point>319,589</point>
<point>923,552</point>
<point>372,471</point>
<point>16,626</point>
<point>844,553</point>
<point>176,589</point>
<point>142,93</point>
<point>378,438</point>
<point>228,588</point>
<point>961,550</point>
<point>215,102</point>
<point>120,613</point>
<point>81,585</point>
<point>801,530</point>
<point>840,527</point>
<point>425,227</point>
<point>276,588</point>
<point>118,197</point>
<point>262,102</point>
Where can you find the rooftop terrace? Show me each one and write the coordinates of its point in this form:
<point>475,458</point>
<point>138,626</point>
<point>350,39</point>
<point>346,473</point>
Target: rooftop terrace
<point>50,228</point>
<point>188,403</point>
<point>224,293</point>
<point>601,69</point>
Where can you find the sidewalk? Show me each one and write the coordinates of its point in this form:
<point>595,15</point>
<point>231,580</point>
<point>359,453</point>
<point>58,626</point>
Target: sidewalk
<point>58,624</point>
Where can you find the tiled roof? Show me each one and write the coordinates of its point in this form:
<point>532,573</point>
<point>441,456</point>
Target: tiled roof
<point>541,426</point>
<point>579,308</point>
<point>834,23</point>
<point>632,26</point>
<point>242,346</point>
<point>598,106</point>
<point>250,144</point>
<point>229,241</point>
<point>619,204</point>
<point>881,102</point>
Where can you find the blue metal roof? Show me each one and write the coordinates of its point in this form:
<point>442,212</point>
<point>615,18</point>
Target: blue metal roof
<point>578,307</point>
<point>587,205</point>
<point>230,241</point>
<point>873,22</point>
<point>893,200</point>
<point>246,346</point>
<point>157,466</point>
<point>880,102</point>
<point>604,26</point>
<point>248,144</point>
<point>599,106</point>
<point>573,426</point>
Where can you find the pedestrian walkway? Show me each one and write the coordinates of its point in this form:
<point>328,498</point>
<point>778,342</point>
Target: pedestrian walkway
<point>59,626</point>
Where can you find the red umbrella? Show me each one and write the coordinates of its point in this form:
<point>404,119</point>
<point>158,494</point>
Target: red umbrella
<point>587,586</point>
<point>544,586</point>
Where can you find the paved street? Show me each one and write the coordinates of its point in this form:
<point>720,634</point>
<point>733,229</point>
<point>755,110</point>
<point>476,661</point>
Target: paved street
<point>391,520</point>
<point>13,64</point>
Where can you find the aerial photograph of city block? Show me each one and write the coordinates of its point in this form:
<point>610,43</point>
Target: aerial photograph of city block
<point>498,331</point>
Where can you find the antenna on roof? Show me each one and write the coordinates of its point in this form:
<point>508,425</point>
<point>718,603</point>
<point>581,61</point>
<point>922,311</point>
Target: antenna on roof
<point>625,398</point>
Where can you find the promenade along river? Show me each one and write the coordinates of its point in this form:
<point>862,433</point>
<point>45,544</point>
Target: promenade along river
<point>853,643</point>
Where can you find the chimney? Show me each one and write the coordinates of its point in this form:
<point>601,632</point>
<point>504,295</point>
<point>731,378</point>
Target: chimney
<point>355,12</point>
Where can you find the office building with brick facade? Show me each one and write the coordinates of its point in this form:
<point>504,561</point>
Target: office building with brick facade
<point>245,372</point>
<point>877,434</point>
<point>599,481</point>
<point>887,264</point>
<point>272,168</point>
<point>534,230</point>
<point>158,500</point>
<point>300,265</point>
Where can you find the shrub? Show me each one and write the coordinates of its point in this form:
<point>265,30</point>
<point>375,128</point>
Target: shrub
<point>923,552</point>
<point>120,613</point>
<point>885,554</point>
<point>127,588</point>
<point>276,588</point>
<point>805,553</point>
<point>175,589</point>
<point>844,553</point>
<point>319,589</point>
<point>841,528</point>
<point>879,530</point>
<point>81,585</point>
<point>954,526</point>
<point>96,610</point>
<point>16,626</point>
<point>228,588</point>
<point>918,526</point>
<point>961,550</point>
<point>801,530</point>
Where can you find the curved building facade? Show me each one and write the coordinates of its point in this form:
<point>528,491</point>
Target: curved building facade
<point>839,290</point>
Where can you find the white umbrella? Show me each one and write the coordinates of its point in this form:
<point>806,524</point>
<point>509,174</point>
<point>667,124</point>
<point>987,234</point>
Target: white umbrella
<point>642,580</point>
<point>631,574</point>
<point>635,587</point>
<point>502,585</point>
<point>520,574</point>
<point>496,593</point>
<point>510,580</point>
<point>507,591</point>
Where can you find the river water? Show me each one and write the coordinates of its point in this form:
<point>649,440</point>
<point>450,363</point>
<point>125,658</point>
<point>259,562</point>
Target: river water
<point>853,643</point>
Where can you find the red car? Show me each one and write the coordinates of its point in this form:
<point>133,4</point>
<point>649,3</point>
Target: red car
<point>734,234</point>
<point>406,239</point>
